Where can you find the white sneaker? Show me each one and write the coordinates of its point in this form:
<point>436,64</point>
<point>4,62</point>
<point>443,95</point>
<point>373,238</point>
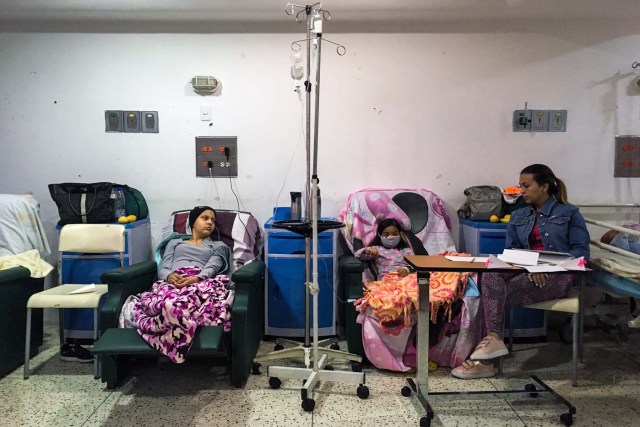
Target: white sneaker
<point>635,323</point>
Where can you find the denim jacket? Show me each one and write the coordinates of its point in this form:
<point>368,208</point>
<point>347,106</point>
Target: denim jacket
<point>561,226</point>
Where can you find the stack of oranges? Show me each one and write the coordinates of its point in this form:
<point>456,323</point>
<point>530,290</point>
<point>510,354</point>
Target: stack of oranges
<point>505,219</point>
<point>126,219</point>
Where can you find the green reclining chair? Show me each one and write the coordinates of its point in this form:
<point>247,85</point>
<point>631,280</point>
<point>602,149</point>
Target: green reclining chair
<point>117,348</point>
<point>16,287</point>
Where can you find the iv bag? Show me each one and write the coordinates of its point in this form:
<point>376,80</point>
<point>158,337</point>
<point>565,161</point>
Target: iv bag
<point>297,66</point>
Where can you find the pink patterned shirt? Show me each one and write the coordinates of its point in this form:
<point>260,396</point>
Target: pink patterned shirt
<point>388,260</point>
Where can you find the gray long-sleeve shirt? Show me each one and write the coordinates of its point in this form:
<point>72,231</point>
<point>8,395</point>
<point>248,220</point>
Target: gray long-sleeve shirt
<point>179,253</point>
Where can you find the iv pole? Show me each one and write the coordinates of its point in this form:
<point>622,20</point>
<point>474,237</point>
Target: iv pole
<point>317,373</point>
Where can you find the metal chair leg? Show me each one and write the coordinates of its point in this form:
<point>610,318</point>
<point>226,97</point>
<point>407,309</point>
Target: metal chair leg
<point>511,330</point>
<point>61,326</point>
<point>96,365</point>
<point>27,345</point>
<point>574,368</point>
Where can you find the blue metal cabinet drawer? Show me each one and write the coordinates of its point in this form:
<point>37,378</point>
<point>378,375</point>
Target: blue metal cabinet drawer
<point>291,243</point>
<point>492,242</point>
<point>286,293</point>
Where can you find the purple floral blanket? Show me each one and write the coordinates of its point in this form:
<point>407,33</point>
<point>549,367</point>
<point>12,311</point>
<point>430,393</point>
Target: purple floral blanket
<point>167,317</point>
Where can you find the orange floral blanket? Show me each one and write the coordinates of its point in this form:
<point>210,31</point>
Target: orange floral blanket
<point>393,299</point>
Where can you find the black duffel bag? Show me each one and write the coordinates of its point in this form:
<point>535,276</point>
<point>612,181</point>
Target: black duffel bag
<point>83,203</point>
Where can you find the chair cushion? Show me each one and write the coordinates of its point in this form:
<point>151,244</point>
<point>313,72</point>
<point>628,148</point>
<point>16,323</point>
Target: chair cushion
<point>58,297</point>
<point>570,304</point>
<point>128,341</point>
<point>238,230</point>
<point>427,219</point>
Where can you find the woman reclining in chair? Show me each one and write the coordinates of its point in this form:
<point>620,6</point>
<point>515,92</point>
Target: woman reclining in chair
<point>191,290</point>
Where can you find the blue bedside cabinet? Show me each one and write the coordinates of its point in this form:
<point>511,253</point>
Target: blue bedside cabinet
<point>284,302</point>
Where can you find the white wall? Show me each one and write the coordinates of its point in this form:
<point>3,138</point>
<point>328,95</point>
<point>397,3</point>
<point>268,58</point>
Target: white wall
<point>398,110</point>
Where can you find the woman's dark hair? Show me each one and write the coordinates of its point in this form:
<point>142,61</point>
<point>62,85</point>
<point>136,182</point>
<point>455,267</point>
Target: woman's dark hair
<point>384,224</point>
<point>542,174</point>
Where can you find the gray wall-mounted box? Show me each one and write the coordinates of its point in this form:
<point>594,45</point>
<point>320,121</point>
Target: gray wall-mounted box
<point>212,149</point>
<point>539,120</point>
<point>627,158</point>
<point>522,121</point>
<point>131,121</point>
<point>113,121</point>
<point>149,121</point>
<point>557,120</point>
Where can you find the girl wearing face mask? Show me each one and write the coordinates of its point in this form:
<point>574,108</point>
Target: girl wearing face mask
<point>388,249</point>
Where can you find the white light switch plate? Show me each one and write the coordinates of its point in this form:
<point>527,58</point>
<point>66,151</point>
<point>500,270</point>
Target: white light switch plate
<point>205,113</point>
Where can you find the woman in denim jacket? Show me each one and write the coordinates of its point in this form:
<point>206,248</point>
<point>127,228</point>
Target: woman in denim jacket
<point>548,223</point>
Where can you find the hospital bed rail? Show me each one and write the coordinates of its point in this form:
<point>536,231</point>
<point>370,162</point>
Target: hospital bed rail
<point>605,276</point>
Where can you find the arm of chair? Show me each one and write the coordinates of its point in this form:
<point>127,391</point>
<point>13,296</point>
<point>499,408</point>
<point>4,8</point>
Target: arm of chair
<point>350,270</point>
<point>16,287</point>
<point>12,274</point>
<point>123,282</point>
<point>247,319</point>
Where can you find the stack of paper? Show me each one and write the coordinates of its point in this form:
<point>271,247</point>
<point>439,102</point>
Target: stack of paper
<point>537,261</point>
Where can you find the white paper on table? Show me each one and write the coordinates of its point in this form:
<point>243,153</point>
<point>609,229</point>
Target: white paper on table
<point>495,262</point>
<point>515,256</point>
<point>84,289</point>
<point>459,258</point>
<point>466,258</point>
<point>574,264</point>
<point>550,257</point>
<point>543,268</point>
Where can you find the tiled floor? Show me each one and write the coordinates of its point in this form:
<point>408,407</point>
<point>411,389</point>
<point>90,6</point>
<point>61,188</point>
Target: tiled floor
<point>198,394</point>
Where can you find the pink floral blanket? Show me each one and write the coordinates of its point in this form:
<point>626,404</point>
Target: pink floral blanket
<point>167,317</point>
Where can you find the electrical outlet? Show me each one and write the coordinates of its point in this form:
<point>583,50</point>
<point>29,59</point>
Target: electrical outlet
<point>131,121</point>
<point>557,120</point>
<point>149,121</point>
<point>539,120</point>
<point>113,121</point>
<point>211,158</point>
<point>522,121</point>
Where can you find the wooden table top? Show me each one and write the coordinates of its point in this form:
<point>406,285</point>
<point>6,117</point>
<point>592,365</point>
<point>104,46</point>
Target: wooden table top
<point>440,263</point>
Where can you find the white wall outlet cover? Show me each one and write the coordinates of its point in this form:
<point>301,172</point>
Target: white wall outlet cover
<point>205,113</point>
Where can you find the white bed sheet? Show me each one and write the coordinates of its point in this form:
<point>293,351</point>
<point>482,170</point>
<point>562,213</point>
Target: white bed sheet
<point>20,226</point>
<point>617,264</point>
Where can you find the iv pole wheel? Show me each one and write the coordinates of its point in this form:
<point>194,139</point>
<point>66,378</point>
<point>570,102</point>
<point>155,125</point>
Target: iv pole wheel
<point>362,391</point>
<point>278,347</point>
<point>275,383</point>
<point>255,368</point>
<point>308,405</point>
<point>532,388</point>
<point>334,346</point>
<point>356,367</point>
<point>425,422</point>
<point>566,419</point>
<point>405,391</point>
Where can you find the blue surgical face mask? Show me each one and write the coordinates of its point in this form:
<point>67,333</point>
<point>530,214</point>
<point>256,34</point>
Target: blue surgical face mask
<point>390,242</point>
